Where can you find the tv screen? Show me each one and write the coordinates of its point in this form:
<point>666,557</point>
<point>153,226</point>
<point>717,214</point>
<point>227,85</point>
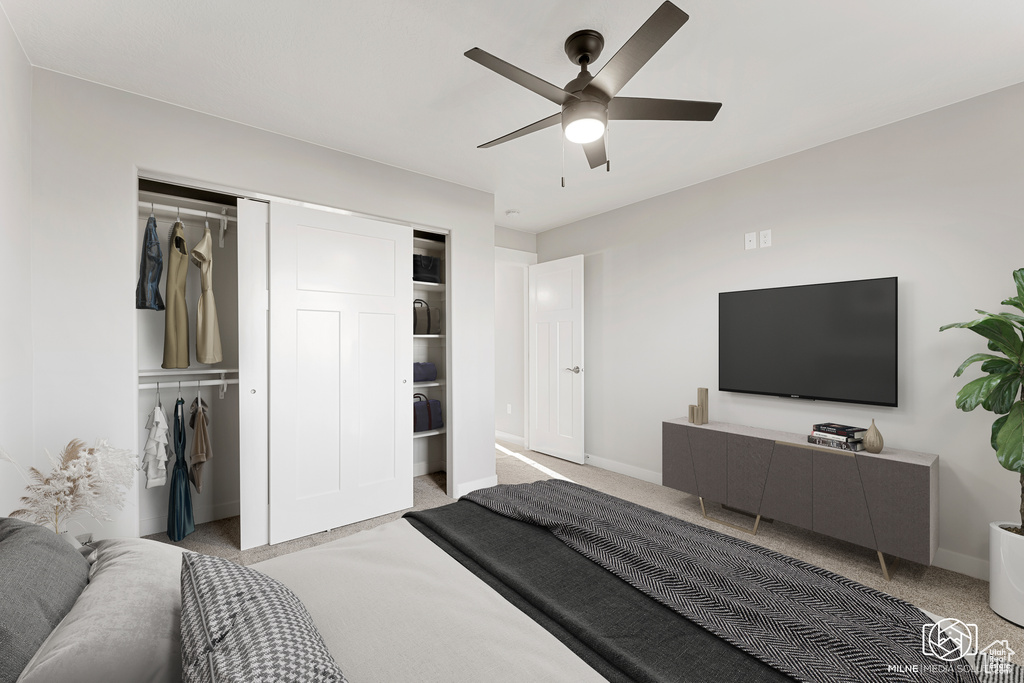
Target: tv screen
<point>832,342</point>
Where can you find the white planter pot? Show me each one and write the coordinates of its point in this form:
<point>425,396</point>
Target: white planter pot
<point>1006,572</point>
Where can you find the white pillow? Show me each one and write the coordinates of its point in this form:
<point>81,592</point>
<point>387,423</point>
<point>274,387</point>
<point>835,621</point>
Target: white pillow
<point>125,626</point>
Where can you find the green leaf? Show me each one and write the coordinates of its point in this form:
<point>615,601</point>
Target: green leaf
<point>1018,279</point>
<point>1010,439</point>
<point>1000,399</point>
<point>976,391</point>
<point>975,358</point>
<point>1011,318</point>
<point>1016,302</point>
<point>999,365</point>
<point>1000,333</point>
<point>996,426</point>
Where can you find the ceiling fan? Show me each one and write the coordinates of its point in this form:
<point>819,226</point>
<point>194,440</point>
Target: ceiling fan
<point>589,101</point>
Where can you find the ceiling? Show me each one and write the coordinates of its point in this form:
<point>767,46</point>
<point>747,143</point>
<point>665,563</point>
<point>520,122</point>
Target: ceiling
<point>387,79</point>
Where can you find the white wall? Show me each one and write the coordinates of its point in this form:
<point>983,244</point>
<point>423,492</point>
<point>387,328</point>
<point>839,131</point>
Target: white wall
<point>89,143</point>
<point>508,238</point>
<point>15,264</point>
<point>510,309</point>
<point>937,200</point>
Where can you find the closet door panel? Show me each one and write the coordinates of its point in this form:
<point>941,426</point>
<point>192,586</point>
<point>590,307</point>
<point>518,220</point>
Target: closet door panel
<point>252,373</point>
<point>317,453</point>
<point>340,363</point>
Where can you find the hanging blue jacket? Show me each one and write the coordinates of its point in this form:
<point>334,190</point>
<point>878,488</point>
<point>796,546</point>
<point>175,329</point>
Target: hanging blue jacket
<point>147,292</point>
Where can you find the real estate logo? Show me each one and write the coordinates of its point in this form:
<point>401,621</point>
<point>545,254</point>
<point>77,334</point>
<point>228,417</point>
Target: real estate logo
<point>995,658</point>
<point>949,639</point>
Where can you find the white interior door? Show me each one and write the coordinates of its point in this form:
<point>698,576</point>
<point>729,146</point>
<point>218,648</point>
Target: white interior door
<point>556,358</point>
<point>340,363</point>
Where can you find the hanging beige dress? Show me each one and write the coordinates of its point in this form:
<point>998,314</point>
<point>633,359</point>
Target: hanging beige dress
<point>208,348</point>
<point>176,309</point>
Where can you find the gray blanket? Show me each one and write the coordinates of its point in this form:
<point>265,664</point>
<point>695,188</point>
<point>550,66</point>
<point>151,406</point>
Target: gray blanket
<point>807,622</point>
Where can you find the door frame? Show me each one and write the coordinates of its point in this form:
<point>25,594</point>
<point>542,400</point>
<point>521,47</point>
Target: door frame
<point>522,260</point>
<point>256,506</point>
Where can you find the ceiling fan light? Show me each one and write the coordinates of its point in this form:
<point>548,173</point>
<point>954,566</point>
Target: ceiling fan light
<point>584,130</point>
<point>584,121</point>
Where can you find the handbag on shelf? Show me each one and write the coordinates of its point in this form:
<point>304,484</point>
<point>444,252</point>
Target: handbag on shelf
<point>425,320</point>
<point>426,268</point>
<point>426,413</point>
<point>424,372</point>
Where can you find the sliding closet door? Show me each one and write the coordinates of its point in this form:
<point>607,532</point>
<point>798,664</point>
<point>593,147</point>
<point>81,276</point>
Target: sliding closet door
<point>340,363</point>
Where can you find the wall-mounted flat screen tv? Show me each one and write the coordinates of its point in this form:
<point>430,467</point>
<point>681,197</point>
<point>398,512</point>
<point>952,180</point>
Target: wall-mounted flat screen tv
<point>832,342</point>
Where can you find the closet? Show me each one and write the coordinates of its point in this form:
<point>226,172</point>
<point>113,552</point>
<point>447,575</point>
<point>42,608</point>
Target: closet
<point>216,384</point>
<point>430,447</point>
<point>311,409</point>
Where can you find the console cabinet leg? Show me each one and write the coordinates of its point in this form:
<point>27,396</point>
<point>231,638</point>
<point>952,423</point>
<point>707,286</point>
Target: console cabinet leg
<point>752,532</point>
<point>885,568</point>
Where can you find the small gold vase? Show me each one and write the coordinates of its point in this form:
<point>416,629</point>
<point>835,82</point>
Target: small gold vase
<point>873,441</point>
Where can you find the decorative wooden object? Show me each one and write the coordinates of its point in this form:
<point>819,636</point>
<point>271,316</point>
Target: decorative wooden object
<point>699,413</point>
<point>873,441</point>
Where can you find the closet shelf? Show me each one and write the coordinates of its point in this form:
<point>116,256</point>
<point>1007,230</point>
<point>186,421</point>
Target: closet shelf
<point>424,385</point>
<point>432,432</point>
<point>428,336</point>
<point>432,286</point>
<point>148,207</point>
<point>423,243</point>
<point>160,372</point>
<point>194,383</point>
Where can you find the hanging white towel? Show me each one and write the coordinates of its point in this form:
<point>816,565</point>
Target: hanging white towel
<point>154,457</point>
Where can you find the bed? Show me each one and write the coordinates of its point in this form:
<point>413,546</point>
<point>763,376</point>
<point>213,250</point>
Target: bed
<point>548,581</point>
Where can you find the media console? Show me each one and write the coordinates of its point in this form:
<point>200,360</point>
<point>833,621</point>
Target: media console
<point>887,502</point>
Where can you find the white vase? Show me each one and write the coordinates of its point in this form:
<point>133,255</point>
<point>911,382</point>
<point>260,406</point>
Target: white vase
<point>1006,572</point>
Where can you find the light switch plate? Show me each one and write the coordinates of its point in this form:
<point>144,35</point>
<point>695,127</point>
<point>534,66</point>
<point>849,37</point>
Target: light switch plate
<point>766,238</point>
<point>750,240</point>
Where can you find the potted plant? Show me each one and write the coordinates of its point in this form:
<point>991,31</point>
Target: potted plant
<point>999,390</point>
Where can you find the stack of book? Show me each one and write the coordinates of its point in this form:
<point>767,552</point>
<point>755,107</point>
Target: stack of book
<point>834,435</point>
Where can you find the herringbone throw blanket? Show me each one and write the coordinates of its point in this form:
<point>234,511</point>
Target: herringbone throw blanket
<point>800,619</point>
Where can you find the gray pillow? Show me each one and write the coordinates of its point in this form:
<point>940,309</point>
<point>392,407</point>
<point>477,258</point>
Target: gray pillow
<point>240,625</point>
<point>125,626</point>
<point>41,576</point>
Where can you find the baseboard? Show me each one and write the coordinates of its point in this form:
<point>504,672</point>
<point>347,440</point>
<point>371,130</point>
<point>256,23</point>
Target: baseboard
<point>962,564</point>
<point>470,486</point>
<point>420,467</point>
<point>509,438</point>
<point>155,525</point>
<point>623,468</point>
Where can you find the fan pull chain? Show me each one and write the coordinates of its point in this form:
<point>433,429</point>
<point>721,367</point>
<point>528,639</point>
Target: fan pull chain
<point>607,155</point>
<point>563,161</point>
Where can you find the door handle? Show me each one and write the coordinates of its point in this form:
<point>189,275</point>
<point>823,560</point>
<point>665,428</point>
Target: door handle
<point>575,369</point>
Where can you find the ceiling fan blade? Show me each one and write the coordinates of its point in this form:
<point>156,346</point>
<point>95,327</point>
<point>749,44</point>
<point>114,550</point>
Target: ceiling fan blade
<point>643,44</point>
<point>649,109</point>
<point>552,120</point>
<point>517,75</point>
<point>596,153</point>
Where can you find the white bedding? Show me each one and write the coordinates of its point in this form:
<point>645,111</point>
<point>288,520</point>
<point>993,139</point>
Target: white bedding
<point>392,606</point>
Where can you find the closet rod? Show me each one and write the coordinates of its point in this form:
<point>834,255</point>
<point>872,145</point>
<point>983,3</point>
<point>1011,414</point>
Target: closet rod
<point>149,206</point>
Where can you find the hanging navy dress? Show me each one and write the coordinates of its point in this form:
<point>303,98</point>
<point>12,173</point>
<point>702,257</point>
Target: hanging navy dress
<point>147,292</point>
<point>179,506</point>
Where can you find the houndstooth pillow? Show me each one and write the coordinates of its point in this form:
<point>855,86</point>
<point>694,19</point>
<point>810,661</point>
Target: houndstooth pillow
<point>240,625</point>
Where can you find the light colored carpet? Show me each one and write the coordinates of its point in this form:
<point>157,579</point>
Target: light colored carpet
<point>936,590</point>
